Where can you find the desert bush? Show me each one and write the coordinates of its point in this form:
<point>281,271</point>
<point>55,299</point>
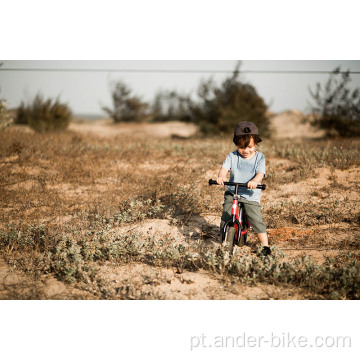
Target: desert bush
<point>44,115</point>
<point>22,114</point>
<point>73,258</point>
<point>337,153</point>
<point>68,262</point>
<point>126,107</point>
<point>15,239</point>
<point>329,280</point>
<point>309,213</point>
<point>28,248</point>
<point>337,108</point>
<point>221,108</point>
<point>170,105</point>
<point>137,209</point>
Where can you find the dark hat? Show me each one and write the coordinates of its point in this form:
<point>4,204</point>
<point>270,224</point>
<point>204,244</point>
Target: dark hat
<point>246,128</point>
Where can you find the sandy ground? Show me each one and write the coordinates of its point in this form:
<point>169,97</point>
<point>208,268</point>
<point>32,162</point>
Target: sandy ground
<point>15,285</point>
<point>289,124</point>
<point>293,124</point>
<point>106,128</point>
<point>170,283</point>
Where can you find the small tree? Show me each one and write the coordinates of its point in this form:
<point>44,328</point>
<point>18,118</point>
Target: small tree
<point>169,105</point>
<point>221,108</point>
<point>337,108</point>
<point>44,115</point>
<point>22,114</point>
<point>126,107</point>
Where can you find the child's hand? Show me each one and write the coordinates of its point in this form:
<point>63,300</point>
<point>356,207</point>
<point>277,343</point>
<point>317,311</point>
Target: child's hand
<point>220,180</point>
<point>252,184</point>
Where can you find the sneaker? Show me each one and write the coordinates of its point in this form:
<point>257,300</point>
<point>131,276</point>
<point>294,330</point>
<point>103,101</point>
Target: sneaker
<point>266,251</point>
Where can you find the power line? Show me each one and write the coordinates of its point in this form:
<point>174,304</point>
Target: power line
<point>179,71</point>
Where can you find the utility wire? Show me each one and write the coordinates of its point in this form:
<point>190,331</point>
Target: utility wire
<point>179,71</point>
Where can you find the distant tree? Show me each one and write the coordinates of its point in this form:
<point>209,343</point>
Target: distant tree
<point>221,108</point>
<point>126,107</point>
<point>44,115</point>
<point>337,108</point>
<point>22,114</point>
<point>169,105</point>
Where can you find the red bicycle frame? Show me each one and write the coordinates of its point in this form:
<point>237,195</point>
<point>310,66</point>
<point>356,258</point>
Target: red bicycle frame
<point>237,213</point>
<point>237,219</point>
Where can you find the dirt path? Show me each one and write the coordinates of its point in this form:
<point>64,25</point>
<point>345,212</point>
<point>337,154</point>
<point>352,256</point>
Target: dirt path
<point>105,128</point>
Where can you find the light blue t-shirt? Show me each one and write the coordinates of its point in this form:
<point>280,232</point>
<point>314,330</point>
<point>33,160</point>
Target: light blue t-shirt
<point>243,170</point>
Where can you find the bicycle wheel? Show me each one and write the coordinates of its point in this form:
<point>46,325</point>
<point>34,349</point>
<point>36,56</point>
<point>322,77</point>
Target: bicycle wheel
<point>230,239</point>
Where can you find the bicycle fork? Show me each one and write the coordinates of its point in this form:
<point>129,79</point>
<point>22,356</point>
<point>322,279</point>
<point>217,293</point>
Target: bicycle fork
<point>236,219</point>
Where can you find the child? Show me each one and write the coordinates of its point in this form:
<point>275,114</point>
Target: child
<point>246,165</point>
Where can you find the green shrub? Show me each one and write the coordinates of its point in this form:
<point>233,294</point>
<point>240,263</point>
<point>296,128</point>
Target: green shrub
<point>169,105</point>
<point>74,256</point>
<point>337,108</point>
<point>126,107</point>
<point>22,114</point>
<point>221,108</point>
<point>44,115</point>
<point>68,262</point>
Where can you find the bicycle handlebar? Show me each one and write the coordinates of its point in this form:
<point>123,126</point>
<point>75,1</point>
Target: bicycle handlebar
<point>213,182</point>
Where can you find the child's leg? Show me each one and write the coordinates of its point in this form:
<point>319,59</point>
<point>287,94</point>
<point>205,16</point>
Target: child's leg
<point>227,206</point>
<point>263,239</point>
<point>253,212</point>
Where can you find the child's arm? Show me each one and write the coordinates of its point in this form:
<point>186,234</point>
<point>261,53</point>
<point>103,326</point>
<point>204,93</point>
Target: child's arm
<point>257,179</point>
<point>222,176</point>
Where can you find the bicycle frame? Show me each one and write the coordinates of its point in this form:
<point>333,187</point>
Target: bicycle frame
<point>237,212</point>
<point>237,219</point>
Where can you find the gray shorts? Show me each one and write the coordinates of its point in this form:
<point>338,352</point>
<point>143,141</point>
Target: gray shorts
<point>252,209</point>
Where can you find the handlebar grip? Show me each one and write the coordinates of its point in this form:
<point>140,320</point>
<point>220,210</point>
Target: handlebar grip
<point>213,182</point>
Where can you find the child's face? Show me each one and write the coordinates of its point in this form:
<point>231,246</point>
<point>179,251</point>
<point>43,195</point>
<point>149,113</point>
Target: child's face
<point>249,151</point>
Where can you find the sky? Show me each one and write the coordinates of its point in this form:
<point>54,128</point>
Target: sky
<point>88,92</point>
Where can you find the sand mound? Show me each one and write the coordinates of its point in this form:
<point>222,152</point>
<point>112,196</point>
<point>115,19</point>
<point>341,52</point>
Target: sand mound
<point>105,128</point>
<point>289,124</point>
<point>293,124</point>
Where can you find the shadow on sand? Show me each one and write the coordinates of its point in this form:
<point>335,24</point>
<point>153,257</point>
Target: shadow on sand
<point>205,229</point>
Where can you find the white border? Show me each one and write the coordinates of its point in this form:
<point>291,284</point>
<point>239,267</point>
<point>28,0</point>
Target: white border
<point>182,30</point>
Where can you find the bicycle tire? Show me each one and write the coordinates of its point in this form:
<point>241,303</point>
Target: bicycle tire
<point>243,239</point>
<point>230,239</point>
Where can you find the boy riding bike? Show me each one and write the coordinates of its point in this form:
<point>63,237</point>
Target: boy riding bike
<point>246,165</point>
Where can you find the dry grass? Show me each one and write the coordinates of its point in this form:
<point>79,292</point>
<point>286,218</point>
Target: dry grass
<point>67,202</point>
